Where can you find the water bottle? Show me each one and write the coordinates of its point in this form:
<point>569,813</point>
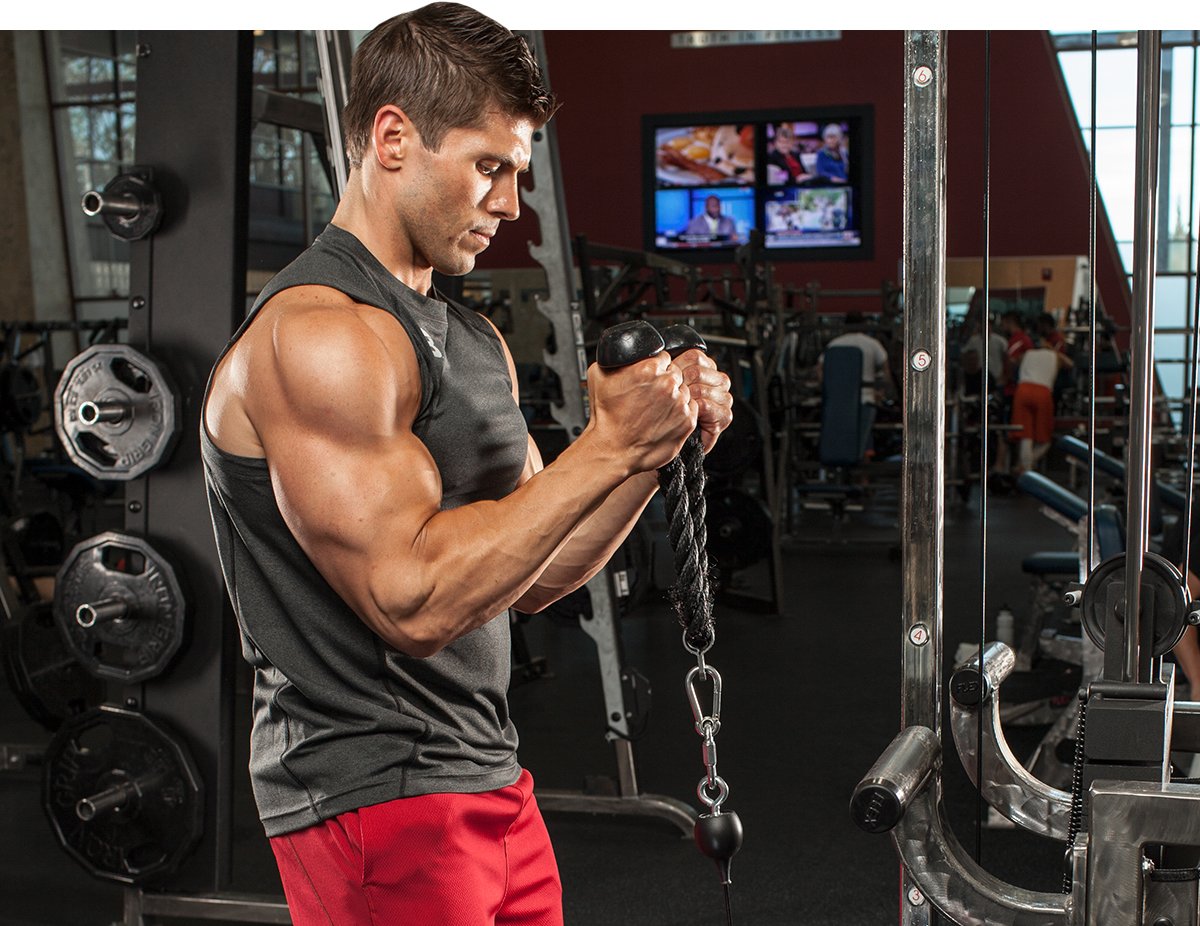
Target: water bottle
<point>1004,626</point>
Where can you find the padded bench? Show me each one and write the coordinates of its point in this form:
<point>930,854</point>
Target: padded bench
<point>1109,465</point>
<point>1054,496</point>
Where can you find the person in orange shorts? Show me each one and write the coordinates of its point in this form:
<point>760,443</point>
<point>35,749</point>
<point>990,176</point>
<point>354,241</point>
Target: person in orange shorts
<point>1033,402</point>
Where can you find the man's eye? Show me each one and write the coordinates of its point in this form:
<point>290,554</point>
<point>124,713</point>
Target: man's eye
<point>489,170</point>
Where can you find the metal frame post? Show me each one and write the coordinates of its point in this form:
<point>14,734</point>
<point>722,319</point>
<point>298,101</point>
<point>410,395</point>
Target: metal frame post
<point>1141,347</point>
<point>923,475</point>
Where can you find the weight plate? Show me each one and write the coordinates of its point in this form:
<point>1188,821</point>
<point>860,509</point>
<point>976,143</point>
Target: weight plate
<point>132,189</point>
<point>741,445</point>
<point>45,676</point>
<point>739,529</point>
<point>122,795</point>
<point>115,412</point>
<point>1105,590</point>
<point>119,607</point>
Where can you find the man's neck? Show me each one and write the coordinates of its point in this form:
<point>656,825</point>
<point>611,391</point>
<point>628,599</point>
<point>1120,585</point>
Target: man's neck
<point>361,215</point>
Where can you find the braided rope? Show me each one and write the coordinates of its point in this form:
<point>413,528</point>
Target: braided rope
<point>682,481</point>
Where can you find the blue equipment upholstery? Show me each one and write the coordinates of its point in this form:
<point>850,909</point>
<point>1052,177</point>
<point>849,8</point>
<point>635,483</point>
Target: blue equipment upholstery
<point>1074,447</point>
<point>1111,466</point>
<point>1110,532</point>
<point>1054,496</point>
<point>841,407</point>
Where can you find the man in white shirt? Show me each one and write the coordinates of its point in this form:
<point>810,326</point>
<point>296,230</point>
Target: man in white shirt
<point>875,372</point>
<point>997,346</point>
<point>1033,402</point>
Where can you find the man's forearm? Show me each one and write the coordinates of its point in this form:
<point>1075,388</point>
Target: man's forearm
<point>592,544</point>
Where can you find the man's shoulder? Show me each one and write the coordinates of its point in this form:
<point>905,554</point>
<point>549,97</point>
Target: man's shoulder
<point>324,320</point>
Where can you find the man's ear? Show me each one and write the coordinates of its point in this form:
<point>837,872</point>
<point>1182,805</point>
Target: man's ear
<point>392,137</point>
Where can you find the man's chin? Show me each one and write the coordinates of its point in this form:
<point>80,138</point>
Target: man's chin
<point>460,265</point>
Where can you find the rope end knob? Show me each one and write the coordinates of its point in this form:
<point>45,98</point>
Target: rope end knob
<point>719,836</point>
<point>627,343</point>
<point>681,338</point>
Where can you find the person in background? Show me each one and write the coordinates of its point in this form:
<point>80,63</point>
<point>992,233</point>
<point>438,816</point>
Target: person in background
<point>1033,402</point>
<point>784,156</point>
<point>1047,329</point>
<point>1187,650</point>
<point>711,222</point>
<point>876,373</point>
<point>970,364</point>
<point>1017,342</point>
<point>832,158</point>
<point>997,348</point>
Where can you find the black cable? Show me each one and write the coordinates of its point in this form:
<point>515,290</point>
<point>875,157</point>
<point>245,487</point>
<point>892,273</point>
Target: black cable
<point>1194,351</point>
<point>1091,525</point>
<point>984,402</point>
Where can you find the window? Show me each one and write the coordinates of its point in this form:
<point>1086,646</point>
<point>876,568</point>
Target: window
<point>91,79</point>
<point>1116,116</point>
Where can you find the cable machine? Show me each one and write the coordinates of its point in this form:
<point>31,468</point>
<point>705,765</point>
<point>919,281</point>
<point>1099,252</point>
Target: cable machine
<point>1132,831</point>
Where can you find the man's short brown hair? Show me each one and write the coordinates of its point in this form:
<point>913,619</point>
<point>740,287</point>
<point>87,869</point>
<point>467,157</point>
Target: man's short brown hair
<point>445,65</point>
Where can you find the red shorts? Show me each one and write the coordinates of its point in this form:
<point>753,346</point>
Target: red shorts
<point>1033,412</point>
<point>449,859</point>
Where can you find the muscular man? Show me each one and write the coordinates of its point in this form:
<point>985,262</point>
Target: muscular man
<point>378,504</point>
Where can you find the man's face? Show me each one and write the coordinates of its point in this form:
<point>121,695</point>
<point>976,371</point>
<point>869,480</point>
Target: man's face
<point>457,196</point>
<point>712,206</point>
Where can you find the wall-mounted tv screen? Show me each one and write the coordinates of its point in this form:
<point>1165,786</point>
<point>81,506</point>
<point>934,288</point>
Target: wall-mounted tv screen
<point>801,176</point>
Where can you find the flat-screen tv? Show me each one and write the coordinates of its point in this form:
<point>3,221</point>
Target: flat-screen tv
<point>800,176</point>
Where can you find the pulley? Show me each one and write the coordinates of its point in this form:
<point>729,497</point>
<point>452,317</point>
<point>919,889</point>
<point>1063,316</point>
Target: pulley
<point>115,412</point>
<point>1164,600</point>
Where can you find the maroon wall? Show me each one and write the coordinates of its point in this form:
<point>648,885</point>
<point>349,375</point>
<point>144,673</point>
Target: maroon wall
<point>1039,174</point>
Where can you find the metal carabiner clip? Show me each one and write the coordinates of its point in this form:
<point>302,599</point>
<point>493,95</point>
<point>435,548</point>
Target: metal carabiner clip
<point>713,720</point>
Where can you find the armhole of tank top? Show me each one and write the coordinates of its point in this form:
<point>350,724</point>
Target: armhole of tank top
<point>241,329</point>
<point>485,327</point>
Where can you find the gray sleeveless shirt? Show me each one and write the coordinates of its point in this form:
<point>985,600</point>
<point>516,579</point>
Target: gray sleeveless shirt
<point>342,720</point>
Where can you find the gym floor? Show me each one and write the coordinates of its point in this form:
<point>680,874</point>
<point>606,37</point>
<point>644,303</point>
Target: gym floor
<point>811,699</point>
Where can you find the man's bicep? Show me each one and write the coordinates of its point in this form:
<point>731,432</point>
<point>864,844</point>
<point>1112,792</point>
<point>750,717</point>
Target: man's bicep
<point>355,506</point>
<point>333,410</point>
